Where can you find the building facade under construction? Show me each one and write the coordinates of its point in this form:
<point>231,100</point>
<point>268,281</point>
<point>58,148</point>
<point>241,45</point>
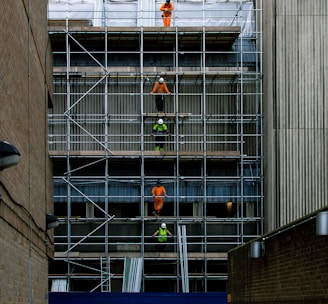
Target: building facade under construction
<point>107,55</point>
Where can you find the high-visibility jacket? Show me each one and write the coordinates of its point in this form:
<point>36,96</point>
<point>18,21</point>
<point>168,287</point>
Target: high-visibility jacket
<point>168,11</point>
<point>160,129</point>
<point>162,234</point>
<point>158,191</point>
<point>160,88</point>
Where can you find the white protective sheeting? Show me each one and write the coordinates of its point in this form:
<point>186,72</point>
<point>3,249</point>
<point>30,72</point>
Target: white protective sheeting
<point>146,12</point>
<point>71,9</point>
<point>98,16</point>
<point>121,13</point>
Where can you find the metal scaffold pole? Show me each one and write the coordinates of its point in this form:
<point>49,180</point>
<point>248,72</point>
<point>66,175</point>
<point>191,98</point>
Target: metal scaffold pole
<point>102,144</point>
<point>182,241</point>
<point>132,274</point>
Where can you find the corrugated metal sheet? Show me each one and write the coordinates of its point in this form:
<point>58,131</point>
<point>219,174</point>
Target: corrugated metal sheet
<point>130,190</point>
<point>301,93</point>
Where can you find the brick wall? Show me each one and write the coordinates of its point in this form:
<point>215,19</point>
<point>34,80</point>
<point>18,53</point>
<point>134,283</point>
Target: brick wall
<point>294,268</point>
<point>26,189</point>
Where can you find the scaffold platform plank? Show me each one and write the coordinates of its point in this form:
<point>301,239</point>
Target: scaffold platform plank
<point>154,154</point>
<point>147,255</point>
<point>124,72</point>
<point>223,32</point>
<point>167,115</point>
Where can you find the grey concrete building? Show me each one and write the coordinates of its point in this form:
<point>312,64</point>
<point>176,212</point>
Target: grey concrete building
<point>295,90</point>
<point>290,264</point>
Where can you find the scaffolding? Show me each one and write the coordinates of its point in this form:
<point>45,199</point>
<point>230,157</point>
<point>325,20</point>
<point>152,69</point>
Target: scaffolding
<point>102,147</point>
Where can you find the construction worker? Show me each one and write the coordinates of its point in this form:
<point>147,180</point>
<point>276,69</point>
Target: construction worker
<point>160,88</point>
<point>162,233</point>
<point>160,130</point>
<point>158,192</point>
<point>167,9</point>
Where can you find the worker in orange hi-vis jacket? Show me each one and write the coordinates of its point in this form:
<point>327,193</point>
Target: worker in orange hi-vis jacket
<point>159,89</point>
<point>158,192</point>
<point>167,9</point>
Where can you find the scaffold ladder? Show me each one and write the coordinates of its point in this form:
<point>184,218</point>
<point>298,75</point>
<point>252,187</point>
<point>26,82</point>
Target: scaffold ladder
<point>105,274</point>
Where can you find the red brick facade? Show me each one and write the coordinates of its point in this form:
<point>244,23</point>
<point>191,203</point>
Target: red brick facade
<point>294,268</point>
<point>26,189</point>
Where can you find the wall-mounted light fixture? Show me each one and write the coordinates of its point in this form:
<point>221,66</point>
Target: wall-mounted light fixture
<point>256,249</point>
<point>51,221</point>
<point>322,223</point>
<point>9,155</point>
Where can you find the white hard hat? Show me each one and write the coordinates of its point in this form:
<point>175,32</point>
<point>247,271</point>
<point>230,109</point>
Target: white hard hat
<point>163,226</point>
<point>160,121</point>
<point>161,80</point>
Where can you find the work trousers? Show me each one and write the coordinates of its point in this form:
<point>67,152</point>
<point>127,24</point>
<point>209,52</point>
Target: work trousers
<point>159,142</point>
<point>160,103</point>
<point>158,204</point>
<point>167,21</point>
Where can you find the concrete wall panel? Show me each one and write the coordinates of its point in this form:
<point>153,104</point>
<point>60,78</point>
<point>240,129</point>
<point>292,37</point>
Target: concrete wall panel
<point>295,109</point>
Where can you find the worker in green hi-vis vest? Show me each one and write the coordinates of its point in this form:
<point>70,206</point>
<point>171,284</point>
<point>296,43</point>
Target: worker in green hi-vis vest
<point>162,232</point>
<point>160,130</point>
